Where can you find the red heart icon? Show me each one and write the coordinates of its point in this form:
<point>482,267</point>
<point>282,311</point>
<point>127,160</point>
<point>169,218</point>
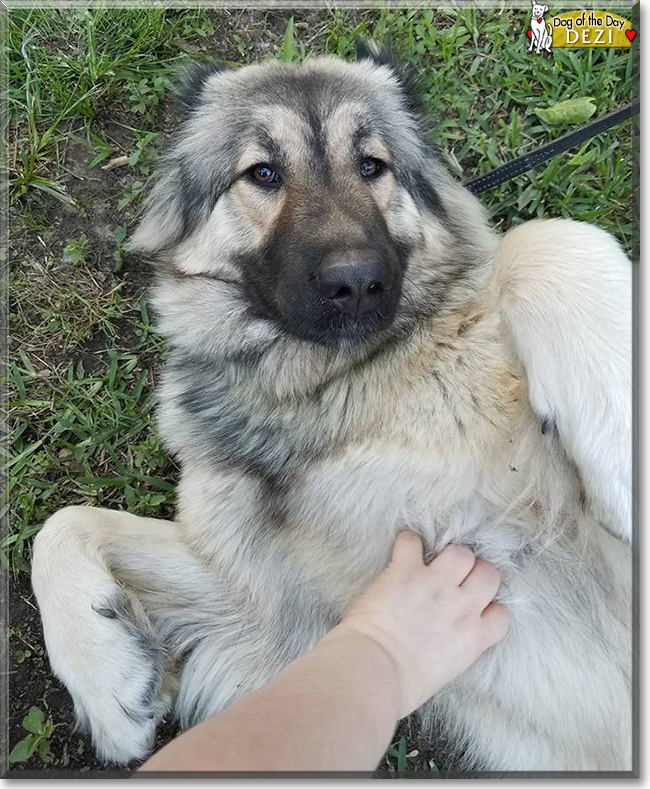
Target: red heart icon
<point>529,34</point>
<point>630,34</point>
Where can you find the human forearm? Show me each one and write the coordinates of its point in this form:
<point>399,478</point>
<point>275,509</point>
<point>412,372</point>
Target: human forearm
<point>413,630</point>
<point>335,708</point>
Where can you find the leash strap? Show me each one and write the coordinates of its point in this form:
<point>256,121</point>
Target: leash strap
<point>522,163</point>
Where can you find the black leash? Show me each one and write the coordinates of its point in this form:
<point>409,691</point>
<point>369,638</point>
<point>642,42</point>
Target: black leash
<point>522,163</point>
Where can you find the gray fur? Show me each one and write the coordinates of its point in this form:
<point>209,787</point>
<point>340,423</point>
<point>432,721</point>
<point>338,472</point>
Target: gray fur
<point>304,455</point>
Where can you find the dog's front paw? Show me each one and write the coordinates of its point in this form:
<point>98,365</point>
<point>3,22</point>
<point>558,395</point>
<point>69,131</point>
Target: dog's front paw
<point>100,641</point>
<point>115,671</point>
<point>120,695</point>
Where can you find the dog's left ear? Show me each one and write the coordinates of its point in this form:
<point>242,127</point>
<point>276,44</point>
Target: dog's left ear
<point>545,8</point>
<point>383,55</point>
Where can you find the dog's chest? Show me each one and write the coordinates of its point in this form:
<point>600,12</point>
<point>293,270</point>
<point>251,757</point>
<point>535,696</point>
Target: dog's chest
<point>439,464</point>
<point>450,471</point>
<point>439,440</point>
<point>453,393</point>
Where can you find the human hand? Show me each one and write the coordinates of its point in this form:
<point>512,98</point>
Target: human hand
<point>433,620</point>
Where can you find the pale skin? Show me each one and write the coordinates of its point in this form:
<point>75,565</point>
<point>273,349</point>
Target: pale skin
<point>414,630</point>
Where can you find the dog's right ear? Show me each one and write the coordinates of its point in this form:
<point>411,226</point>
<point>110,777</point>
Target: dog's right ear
<point>182,197</point>
<point>191,83</point>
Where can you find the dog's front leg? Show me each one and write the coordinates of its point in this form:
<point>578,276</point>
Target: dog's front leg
<point>92,570</point>
<point>568,308</point>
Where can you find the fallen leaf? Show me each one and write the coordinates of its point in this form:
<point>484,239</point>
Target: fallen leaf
<point>119,161</point>
<point>571,111</point>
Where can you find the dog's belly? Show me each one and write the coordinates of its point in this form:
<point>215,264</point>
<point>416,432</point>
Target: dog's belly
<point>560,680</point>
<point>565,581</point>
<point>555,694</point>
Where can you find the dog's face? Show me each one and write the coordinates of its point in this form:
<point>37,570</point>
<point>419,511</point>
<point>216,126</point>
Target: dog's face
<point>539,10</point>
<point>310,186</point>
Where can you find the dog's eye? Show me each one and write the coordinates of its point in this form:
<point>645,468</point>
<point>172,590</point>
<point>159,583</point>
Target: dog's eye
<point>370,168</point>
<point>264,174</point>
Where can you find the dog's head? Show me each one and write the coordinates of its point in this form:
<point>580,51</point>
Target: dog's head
<point>311,188</point>
<point>539,10</point>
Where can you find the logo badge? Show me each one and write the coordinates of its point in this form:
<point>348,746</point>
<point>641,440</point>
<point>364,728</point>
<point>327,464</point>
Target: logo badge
<point>540,33</point>
<point>577,29</point>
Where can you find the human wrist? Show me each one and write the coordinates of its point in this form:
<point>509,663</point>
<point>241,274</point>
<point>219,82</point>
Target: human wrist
<point>374,647</point>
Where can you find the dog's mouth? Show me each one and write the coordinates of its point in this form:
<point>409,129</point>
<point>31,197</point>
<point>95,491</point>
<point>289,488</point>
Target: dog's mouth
<point>350,331</point>
<point>324,326</point>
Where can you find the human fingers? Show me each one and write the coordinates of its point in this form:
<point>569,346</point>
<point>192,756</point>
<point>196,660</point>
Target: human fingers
<point>496,621</point>
<point>408,550</point>
<point>453,564</point>
<point>482,583</point>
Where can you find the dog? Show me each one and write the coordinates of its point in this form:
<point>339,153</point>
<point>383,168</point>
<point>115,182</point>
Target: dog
<point>352,352</point>
<point>541,33</point>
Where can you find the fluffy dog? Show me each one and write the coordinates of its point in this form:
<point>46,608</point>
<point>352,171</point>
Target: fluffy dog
<point>352,352</point>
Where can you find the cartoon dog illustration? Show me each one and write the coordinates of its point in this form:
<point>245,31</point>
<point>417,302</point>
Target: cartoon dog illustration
<point>541,37</point>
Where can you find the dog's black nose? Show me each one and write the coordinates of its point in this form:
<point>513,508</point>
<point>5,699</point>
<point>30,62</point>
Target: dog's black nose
<point>354,282</point>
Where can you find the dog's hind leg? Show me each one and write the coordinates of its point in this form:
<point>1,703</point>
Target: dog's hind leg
<point>567,306</point>
<point>101,641</point>
<point>242,646</point>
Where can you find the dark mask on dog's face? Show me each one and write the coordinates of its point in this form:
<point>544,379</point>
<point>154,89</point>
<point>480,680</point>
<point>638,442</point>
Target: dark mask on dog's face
<point>328,268</point>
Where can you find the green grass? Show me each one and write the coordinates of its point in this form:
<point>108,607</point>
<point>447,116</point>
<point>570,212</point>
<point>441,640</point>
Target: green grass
<point>95,440</point>
<point>89,102</point>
